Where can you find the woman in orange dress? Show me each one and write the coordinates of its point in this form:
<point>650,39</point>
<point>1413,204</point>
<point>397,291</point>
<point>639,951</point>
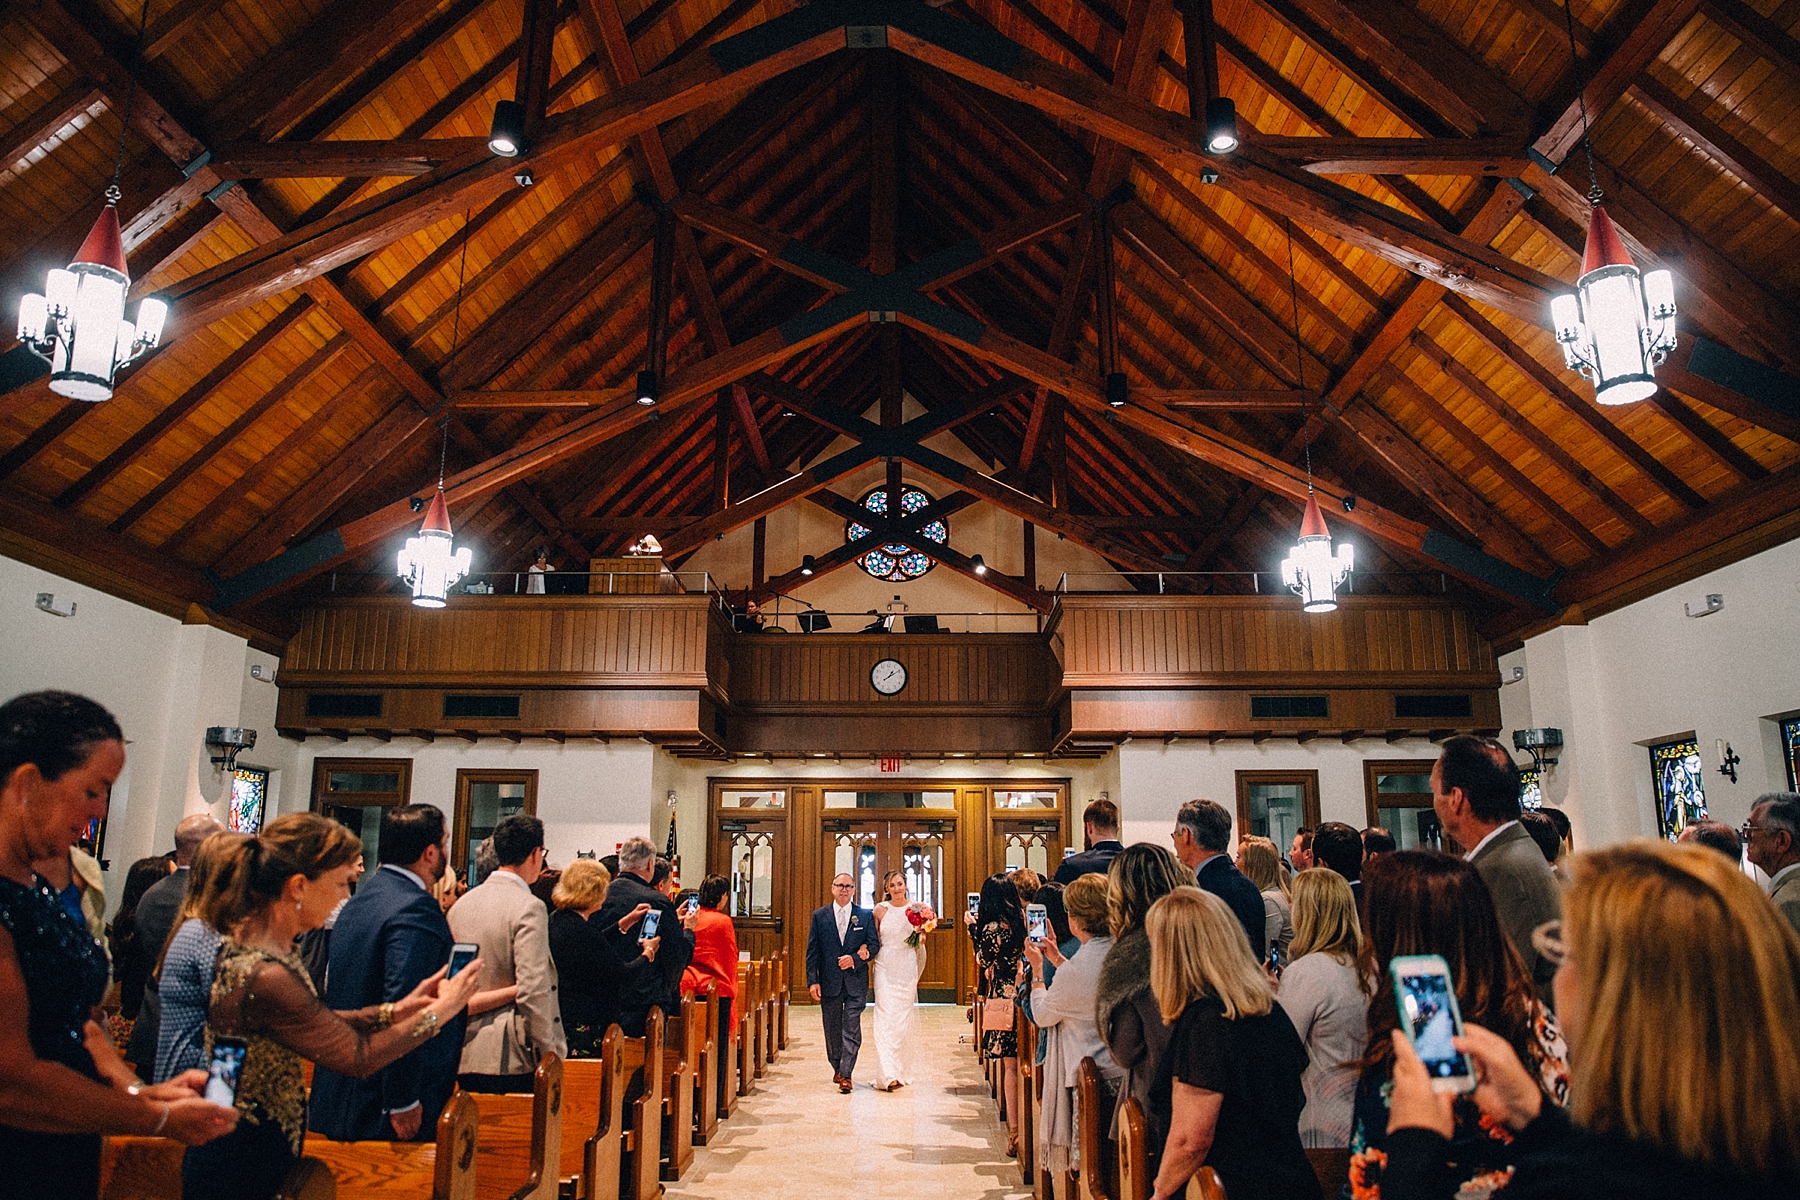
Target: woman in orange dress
<point>715,957</point>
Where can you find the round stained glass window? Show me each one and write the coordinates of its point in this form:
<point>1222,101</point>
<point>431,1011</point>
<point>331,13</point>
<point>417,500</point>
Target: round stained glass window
<point>897,562</point>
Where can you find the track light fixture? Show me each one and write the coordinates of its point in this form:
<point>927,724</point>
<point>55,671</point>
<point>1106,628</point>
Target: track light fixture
<point>979,564</point>
<point>1116,389</point>
<point>646,387</point>
<point>506,137</point>
<point>1221,125</point>
<point>808,564</point>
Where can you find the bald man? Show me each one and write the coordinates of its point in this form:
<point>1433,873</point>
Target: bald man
<point>155,917</point>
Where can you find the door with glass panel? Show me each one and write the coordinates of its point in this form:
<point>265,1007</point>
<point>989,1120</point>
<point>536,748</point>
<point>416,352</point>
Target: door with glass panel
<point>483,800</point>
<point>750,848</point>
<point>924,852</point>
<point>1399,800</point>
<point>1027,830</point>
<point>1276,804</point>
<point>355,792</point>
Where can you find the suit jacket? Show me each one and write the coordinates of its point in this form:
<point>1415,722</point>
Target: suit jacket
<point>823,949</point>
<point>1088,862</point>
<point>1525,895</point>
<point>661,987</point>
<point>1786,897</point>
<point>389,937</point>
<point>1220,876</point>
<point>512,927</point>
<point>156,912</point>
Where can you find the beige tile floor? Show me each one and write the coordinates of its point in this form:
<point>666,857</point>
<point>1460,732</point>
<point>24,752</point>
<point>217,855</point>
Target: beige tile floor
<point>797,1138</point>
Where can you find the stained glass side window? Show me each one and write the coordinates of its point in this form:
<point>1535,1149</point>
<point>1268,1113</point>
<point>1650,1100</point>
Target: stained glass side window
<point>1679,779</point>
<point>1531,789</point>
<point>1790,752</point>
<point>249,790</point>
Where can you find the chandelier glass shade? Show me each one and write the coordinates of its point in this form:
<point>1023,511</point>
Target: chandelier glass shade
<point>78,324</point>
<point>429,562</point>
<point>1311,570</point>
<point>1618,326</point>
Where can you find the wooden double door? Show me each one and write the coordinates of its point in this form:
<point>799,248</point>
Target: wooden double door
<point>923,850</point>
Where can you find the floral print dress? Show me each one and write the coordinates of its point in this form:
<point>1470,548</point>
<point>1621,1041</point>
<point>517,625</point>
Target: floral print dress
<point>1480,1148</point>
<point>997,951</point>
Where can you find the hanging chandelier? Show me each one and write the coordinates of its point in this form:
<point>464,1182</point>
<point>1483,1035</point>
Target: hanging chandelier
<point>1617,328</point>
<point>78,324</point>
<point>429,563</point>
<point>1311,570</point>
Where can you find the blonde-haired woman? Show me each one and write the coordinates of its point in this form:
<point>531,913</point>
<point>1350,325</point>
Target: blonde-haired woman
<point>1322,994</point>
<point>267,890</point>
<point>594,963</point>
<point>1228,1088</point>
<point>1261,864</point>
<point>1679,989</point>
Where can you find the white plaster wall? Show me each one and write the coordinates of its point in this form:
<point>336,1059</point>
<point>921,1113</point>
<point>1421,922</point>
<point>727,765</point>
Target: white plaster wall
<point>1647,673</point>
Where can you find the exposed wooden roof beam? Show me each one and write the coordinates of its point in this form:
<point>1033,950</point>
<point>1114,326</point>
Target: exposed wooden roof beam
<point>1758,32</point>
<point>38,128</point>
<point>1400,156</point>
<point>1707,436</point>
<point>1729,152</point>
<point>1637,34</point>
<point>338,159</point>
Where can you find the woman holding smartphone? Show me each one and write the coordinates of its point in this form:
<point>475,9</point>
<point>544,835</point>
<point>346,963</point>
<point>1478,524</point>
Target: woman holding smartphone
<point>1680,985</point>
<point>1417,903</point>
<point>999,942</point>
<point>593,963</point>
<point>267,891</point>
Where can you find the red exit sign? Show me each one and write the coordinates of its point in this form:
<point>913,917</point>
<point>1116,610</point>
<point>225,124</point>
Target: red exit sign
<point>891,766</point>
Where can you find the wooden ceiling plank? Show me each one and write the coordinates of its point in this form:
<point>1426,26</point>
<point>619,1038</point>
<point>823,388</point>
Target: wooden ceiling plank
<point>1064,40</point>
<point>1583,408</point>
<point>1712,140</point>
<point>1674,373</point>
<point>1758,32</point>
<point>1636,33</point>
<point>171,26</point>
<point>1709,436</point>
<point>1545,443</point>
<point>1133,75</point>
<point>34,443</point>
<point>317,361</point>
<point>43,124</point>
<point>132,447</point>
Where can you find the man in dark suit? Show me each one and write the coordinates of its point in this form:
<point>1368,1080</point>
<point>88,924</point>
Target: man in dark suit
<point>1202,831</point>
<point>389,937</point>
<point>156,913</point>
<point>1338,847</point>
<point>1475,793</point>
<point>839,945</point>
<point>1100,830</point>
<point>660,988</point>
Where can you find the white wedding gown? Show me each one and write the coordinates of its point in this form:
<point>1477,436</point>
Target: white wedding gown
<point>897,969</point>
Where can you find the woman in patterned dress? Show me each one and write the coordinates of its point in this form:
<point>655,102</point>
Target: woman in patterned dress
<point>999,941</point>
<point>1420,902</point>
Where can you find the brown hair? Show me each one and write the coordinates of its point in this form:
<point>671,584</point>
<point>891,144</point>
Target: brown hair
<point>252,873</point>
<point>1325,916</point>
<point>1195,951</point>
<point>582,882</point>
<point>1027,881</point>
<point>1084,897</point>
<point>1422,902</point>
<point>1138,876</point>
<point>208,858</point>
<point>1262,864</point>
<point>1685,1007</point>
<point>1103,815</point>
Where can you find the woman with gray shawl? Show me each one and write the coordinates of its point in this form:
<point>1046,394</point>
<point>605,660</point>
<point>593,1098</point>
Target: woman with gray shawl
<point>1125,1010</point>
<point>1065,1012</point>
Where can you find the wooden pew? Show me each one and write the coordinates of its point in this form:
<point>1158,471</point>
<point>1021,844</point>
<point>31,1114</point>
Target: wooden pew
<point>1028,1112</point>
<point>639,1167</point>
<point>1208,1184</point>
<point>1134,1172</point>
<point>1332,1166</point>
<point>1091,1123</point>
<point>593,1114</point>
<point>140,1168</point>
<point>784,987</point>
<point>728,1051</point>
<point>678,1092</point>
<point>759,1020</point>
<point>706,1065</point>
<point>443,1170</point>
<point>518,1152</point>
<point>309,1179</point>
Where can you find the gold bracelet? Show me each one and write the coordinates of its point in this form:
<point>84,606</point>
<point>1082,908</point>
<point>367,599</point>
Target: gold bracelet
<point>427,1026</point>
<point>385,1015</point>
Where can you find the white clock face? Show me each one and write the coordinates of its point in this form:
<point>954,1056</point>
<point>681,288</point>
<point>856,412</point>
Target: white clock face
<point>887,677</point>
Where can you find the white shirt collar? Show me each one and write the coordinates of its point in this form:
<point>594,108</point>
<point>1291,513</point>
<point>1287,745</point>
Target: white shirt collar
<point>504,874</point>
<point>412,875</point>
<point>840,909</point>
<point>1470,856</point>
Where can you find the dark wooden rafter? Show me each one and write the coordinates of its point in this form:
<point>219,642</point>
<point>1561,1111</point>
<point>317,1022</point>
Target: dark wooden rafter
<point>42,125</point>
<point>1731,152</point>
<point>1635,35</point>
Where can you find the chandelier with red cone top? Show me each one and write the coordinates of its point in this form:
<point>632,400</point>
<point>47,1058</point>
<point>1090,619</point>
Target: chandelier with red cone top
<point>429,563</point>
<point>1311,569</point>
<point>78,324</point>
<point>1618,327</point>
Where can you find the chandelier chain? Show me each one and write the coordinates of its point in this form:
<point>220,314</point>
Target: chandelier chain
<point>1587,140</point>
<point>1299,353</point>
<point>462,265</point>
<point>113,192</point>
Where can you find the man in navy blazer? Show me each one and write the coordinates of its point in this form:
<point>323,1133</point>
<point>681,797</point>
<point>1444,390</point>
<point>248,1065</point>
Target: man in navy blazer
<point>839,945</point>
<point>388,937</point>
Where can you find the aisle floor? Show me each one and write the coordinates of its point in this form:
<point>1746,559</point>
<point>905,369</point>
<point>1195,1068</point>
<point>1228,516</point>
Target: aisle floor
<point>797,1138</point>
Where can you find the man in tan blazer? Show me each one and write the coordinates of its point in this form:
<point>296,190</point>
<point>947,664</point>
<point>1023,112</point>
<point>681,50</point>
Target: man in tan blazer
<point>512,927</point>
<point>1772,842</point>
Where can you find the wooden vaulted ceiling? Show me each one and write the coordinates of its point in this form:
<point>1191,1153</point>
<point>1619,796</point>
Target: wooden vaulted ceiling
<point>308,181</point>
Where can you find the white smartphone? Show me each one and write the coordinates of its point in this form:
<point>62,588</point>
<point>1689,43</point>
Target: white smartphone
<point>974,903</point>
<point>1426,997</point>
<point>461,955</point>
<point>1037,922</point>
<point>652,920</point>
<point>222,1071</point>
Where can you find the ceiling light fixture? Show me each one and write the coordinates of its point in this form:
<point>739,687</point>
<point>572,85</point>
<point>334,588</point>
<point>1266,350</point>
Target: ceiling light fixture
<point>1311,569</point>
<point>1221,125</point>
<point>646,387</point>
<point>979,564</point>
<point>1117,389</point>
<point>506,136</point>
<point>1616,328</point>
<point>808,564</point>
<point>78,324</point>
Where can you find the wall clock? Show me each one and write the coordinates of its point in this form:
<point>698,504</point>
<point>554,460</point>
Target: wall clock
<point>887,677</point>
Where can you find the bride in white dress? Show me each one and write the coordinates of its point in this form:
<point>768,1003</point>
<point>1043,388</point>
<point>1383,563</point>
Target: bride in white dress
<point>897,969</point>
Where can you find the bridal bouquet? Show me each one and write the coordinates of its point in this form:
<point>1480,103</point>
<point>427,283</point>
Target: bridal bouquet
<point>923,921</point>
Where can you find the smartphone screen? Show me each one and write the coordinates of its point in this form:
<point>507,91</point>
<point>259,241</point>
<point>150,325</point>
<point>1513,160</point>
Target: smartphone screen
<point>1068,851</point>
<point>652,920</point>
<point>1429,1015</point>
<point>1037,922</point>
<point>974,903</point>
<point>223,1070</point>
<point>461,955</point>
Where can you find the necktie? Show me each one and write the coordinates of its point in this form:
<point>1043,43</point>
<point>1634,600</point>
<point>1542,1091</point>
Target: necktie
<point>843,922</point>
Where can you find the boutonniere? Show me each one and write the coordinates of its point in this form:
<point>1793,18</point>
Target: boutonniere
<point>853,923</point>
